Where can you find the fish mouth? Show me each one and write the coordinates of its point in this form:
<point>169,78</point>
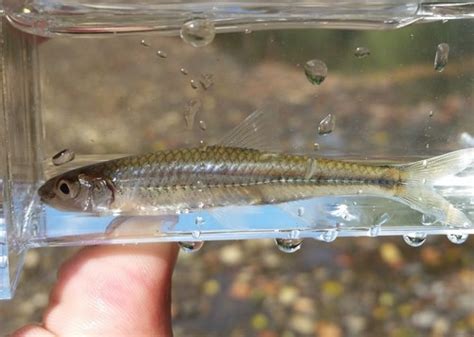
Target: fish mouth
<point>46,193</point>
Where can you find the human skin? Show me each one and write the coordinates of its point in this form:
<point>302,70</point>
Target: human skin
<point>111,291</point>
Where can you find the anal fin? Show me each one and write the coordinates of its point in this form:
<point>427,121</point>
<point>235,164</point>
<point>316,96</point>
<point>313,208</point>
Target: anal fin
<point>427,201</point>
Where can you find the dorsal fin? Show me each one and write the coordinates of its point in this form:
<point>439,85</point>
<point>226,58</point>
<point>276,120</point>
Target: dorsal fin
<point>258,131</point>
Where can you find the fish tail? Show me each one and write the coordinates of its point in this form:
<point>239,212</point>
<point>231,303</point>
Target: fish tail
<point>419,178</point>
<point>432,169</point>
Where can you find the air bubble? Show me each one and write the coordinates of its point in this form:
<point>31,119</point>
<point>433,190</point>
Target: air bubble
<point>374,231</point>
<point>316,71</point>
<point>144,43</point>
<point>289,245</point>
<point>327,125</point>
<point>378,223</point>
<point>196,234</point>
<point>206,80</point>
<point>294,234</point>
<point>198,32</point>
<point>382,219</point>
<point>190,246</point>
<point>300,211</point>
<point>63,157</point>
<point>162,54</point>
<point>190,110</point>
<point>361,52</point>
<point>415,239</point>
<point>441,57</point>
<point>428,220</point>
<point>329,236</point>
<point>457,238</point>
<point>193,84</point>
<point>202,125</point>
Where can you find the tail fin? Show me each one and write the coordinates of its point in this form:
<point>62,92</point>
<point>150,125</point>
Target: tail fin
<point>420,176</point>
<point>432,169</point>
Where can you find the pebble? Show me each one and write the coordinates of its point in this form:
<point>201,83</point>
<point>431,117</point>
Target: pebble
<point>231,255</point>
<point>287,295</point>
<point>259,321</point>
<point>424,319</point>
<point>32,259</point>
<point>302,324</point>
<point>304,305</point>
<point>355,324</point>
<point>211,287</point>
<point>391,254</point>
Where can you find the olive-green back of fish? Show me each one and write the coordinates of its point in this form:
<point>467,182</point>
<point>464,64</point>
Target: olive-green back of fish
<point>218,176</point>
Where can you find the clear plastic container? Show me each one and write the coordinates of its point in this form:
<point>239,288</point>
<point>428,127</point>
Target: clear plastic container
<point>124,87</point>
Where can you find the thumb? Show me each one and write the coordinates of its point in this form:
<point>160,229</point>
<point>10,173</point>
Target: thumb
<point>111,291</point>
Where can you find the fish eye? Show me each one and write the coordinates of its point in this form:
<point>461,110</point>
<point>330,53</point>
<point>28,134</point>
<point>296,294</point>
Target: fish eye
<point>67,189</point>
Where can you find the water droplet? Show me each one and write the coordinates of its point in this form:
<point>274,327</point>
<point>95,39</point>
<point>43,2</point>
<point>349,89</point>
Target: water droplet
<point>144,43</point>
<point>428,220</point>
<point>378,223</point>
<point>196,234</point>
<point>162,54</point>
<point>193,84</point>
<point>374,231</point>
<point>190,246</point>
<point>202,143</point>
<point>206,80</point>
<point>327,125</point>
<point>316,146</point>
<point>202,125</point>
<point>289,245</point>
<point>190,110</point>
<point>300,211</point>
<point>198,32</point>
<point>382,219</point>
<point>294,234</point>
<point>316,71</point>
<point>362,52</point>
<point>63,157</point>
<point>415,239</point>
<point>329,236</point>
<point>184,71</point>
<point>457,238</point>
<point>441,57</point>
<point>199,221</point>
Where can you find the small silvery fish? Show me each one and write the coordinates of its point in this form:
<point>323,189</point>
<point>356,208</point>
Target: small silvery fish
<point>241,170</point>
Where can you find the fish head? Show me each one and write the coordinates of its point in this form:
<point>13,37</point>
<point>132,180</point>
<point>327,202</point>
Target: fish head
<point>77,191</point>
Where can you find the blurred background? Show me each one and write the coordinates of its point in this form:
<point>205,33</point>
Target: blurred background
<point>117,95</point>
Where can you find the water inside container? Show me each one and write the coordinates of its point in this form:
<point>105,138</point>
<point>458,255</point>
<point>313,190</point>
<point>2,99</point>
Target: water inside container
<point>159,80</point>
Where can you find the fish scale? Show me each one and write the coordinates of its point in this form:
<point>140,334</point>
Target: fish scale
<point>179,177</point>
